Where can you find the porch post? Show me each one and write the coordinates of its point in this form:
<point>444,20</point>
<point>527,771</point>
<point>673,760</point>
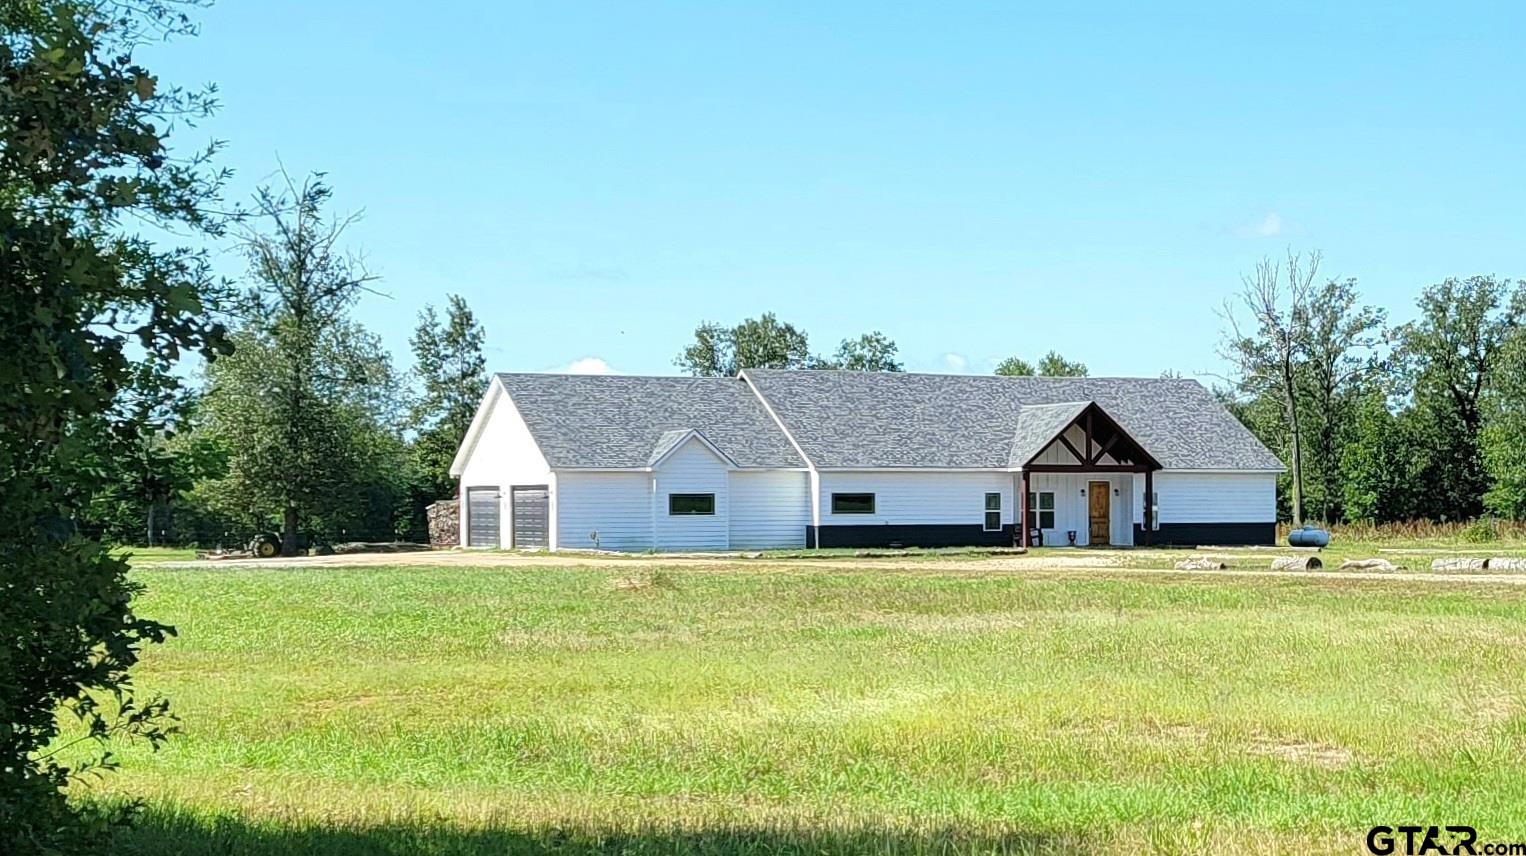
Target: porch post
<point>1022,517</point>
<point>1149,507</point>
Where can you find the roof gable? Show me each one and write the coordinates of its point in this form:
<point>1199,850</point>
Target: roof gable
<point>628,422</point>
<point>1105,442</point>
<point>1039,425</point>
<point>671,441</point>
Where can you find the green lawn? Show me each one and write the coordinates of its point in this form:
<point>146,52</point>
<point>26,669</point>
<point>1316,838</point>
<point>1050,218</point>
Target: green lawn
<point>142,555</point>
<point>469,710</point>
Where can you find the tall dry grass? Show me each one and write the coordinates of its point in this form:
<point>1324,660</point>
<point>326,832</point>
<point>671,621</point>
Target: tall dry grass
<point>1484,530</point>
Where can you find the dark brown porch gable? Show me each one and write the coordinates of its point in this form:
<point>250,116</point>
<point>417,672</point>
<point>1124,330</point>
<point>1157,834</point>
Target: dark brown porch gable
<point>1092,440</point>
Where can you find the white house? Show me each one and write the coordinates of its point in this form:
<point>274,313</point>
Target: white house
<point>776,459</point>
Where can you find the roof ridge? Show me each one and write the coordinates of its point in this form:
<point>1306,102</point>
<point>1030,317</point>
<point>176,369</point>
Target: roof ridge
<point>612,375</point>
<point>855,372</point>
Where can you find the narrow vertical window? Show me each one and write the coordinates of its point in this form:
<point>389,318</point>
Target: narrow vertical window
<point>993,512</point>
<point>1041,509</point>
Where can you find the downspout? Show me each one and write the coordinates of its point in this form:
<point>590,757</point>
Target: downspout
<point>815,476</point>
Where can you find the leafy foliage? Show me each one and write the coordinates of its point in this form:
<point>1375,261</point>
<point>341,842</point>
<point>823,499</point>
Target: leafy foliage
<point>871,352</point>
<point>1378,473</point>
<point>1503,441</point>
<point>451,374</point>
<point>1269,349</point>
<point>83,160</point>
<point>766,342</point>
<point>756,343</point>
<point>1051,364</point>
<point>1340,340</point>
<point>1451,353</point>
<point>307,406</point>
<point>1421,422</point>
<point>149,468</point>
<point>1015,367</point>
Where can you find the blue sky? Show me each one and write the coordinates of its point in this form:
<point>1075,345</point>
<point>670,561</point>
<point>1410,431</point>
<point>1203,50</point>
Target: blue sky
<point>974,180</point>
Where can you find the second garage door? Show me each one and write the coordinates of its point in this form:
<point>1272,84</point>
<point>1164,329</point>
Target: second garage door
<point>532,516</point>
<point>482,517</point>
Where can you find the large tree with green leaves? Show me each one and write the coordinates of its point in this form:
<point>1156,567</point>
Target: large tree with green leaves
<point>1267,348</point>
<point>1503,439</point>
<point>148,469</point>
<point>451,375</point>
<point>303,404</point>
<point>1051,364</point>
<point>871,352</point>
<point>1340,340</point>
<point>84,165</point>
<point>1379,469</point>
<point>1452,354</point>
<point>764,342</point>
<point>1015,367</point>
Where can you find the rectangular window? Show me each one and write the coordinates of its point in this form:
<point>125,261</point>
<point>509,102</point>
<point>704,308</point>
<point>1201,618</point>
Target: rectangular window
<point>1041,509</point>
<point>1155,511</point>
<point>993,512</point>
<point>852,503</point>
<point>691,503</point>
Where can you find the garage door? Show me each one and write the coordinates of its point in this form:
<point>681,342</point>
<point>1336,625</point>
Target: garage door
<point>482,517</point>
<point>532,516</point>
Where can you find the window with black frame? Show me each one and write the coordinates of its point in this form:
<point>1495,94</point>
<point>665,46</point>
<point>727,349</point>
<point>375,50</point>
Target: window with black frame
<point>993,512</point>
<point>852,503</point>
<point>686,504</point>
<point>1041,509</point>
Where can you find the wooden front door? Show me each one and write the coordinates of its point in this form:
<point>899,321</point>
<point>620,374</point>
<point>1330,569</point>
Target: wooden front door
<point>1099,497</point>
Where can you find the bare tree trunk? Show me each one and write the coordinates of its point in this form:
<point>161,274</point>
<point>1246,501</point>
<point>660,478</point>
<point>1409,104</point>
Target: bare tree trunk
<point>289,531</point>
<point>151,524</point>
<point>1297,428</point>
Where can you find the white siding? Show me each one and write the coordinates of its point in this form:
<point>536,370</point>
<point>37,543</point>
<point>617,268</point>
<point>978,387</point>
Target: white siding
<point>618,506</point>
<point>504,455</point>
<point>1056,453</point>
<point>770,509</point>
<point>912,498</point>
<point>1199,497</point>
<point>692,468</point>
<point>1071,511</point>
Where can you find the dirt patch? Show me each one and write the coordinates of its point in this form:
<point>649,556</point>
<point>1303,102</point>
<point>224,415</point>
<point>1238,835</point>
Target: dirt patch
<point>1494,707</point>
<point>940,624</point>
<point>1177,732</point>
<point>325,705</point>
<point>1302,752</point>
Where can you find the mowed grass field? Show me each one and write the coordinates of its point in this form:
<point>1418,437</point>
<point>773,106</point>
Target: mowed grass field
<point>739,709</point>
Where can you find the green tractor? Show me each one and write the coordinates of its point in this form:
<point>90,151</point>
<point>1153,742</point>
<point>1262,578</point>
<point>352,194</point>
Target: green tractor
<point>267,545</point>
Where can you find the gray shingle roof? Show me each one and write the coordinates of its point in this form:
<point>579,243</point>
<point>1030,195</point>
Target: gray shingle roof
<point>1037,425</point>
<point>621,422</point>
<point>868,419</point>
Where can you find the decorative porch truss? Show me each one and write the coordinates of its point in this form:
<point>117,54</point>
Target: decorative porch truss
<point>1075,437</point>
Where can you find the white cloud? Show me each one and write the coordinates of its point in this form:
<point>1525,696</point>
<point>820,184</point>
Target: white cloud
<point>588,365</point>
<point>956,363</point>
<point>1266,227</point>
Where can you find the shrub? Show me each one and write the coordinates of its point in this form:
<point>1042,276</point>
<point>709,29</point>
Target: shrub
<point>1482,531</point>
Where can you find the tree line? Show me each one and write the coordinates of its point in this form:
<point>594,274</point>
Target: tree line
<point>766,342</point>
<point>1375,421</point>
<point>303,426</point>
